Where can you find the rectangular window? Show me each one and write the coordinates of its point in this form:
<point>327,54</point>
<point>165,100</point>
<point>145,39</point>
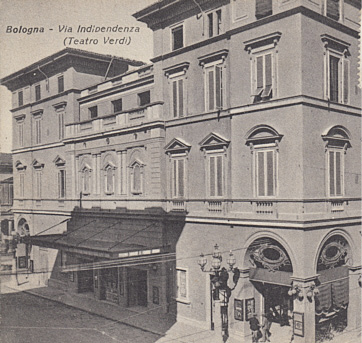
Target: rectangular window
<point>178,178</point>
<point>178,98</point>
<point>37,131</point>
<point>216,182</point>
<point>182,287</point>
<point>37,93</point>
<point>21,185</point>
<point>263,8</point>
<point>117,105</point>
<point>144,98</point>
<point>335,173</point>
<point>136,179</point>
<point>338,78</point>
<point>21,134</point>
<point>214,87</point>
<point>333,9</point>
<point>264,77</point>
<point>61,183</point>
<point>177,37</point>
<point>214,23</point>
<point>86,181</point>
<point>109,181</point>
<point>20,98</point>
<point>38,184</point>
<point>265,173</point>
<point>61,125</point>
<point>210,18</point>
<point>60,84</point>
<point>93,112</point>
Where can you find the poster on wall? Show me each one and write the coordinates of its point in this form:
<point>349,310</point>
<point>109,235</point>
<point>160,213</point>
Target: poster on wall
<point>239,309</point>
<point>249,308</point>
<point>298,325</point>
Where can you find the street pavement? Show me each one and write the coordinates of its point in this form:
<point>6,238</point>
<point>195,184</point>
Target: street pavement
<point>26,319</point>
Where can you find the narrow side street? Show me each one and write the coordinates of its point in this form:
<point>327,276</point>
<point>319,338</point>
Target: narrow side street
<point>27,318</point>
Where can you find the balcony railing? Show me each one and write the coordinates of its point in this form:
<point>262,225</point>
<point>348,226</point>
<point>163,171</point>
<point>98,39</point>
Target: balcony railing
<point>119,120</point>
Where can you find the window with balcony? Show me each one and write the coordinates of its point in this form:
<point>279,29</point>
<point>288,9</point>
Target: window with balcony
<point>264,141</point>
<point>37,93</point>
<point>93,112</point>
<point>60,84</point>
<point>337,69</point>
<point>178,177</point>
<point>214,22</point>
<point>117,106</point>
<point>337,141</point>
<point>263,8</point>
<point>263,58</point>
<point>177,37</point>
<point>144,98</point>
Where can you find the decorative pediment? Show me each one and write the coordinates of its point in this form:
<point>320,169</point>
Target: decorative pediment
<point>177,145</point>
<point>137,162</point>
<point>337,136</point>
<point>179,68</point>
<point>37,113</point>
<point>19,165</point>
<point>271,40</point>
<point>85,167</point>
<point>214,141</point>
<point>59,162</point>
<point>37,165</point>
<point>214,56</point>
<point>109,165</point>
<point>263,134</point>
<point>331,42</point>
<point>19,118</point>
<point>60,106</point>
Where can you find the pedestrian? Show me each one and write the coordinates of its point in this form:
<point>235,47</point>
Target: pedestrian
<point>255,328</point>
<point>265,327</point>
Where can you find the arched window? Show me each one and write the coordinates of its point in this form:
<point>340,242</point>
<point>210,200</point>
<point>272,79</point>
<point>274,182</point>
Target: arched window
<point>109,175</point>
<point>86,179</point>
<point>337,141</point>
<point>137,177</point>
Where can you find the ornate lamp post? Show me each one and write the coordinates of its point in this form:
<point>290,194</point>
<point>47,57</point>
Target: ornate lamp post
<point>219,282</point>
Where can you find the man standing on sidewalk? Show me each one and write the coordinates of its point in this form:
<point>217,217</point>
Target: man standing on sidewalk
<point>254,327</point>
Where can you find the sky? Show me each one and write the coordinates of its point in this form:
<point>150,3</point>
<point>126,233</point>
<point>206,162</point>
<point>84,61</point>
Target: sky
<point>19,50</point>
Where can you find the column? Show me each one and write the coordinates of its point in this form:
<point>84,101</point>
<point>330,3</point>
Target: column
<point>95,178</point>
<point>119,173</point>
<point>306,308</point>
<point>124,172</point>
<point>97,173</point>
<point>76,178</point>
<point>354,306</point>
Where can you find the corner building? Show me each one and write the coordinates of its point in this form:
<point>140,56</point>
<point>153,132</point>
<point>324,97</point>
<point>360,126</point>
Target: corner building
<point>262,119</point>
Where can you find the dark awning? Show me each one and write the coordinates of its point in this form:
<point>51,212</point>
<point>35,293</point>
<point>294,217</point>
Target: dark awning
<point>107,239</point>
<point>273,277</point>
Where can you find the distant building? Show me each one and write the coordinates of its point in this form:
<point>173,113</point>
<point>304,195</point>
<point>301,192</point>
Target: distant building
<point>6,197</point>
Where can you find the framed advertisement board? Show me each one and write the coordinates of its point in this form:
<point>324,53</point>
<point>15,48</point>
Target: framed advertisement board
<point>238,309</point>
<point>249,308</point>
<point>298,324</point>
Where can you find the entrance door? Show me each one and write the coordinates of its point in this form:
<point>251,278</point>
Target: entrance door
<point>137,287</point>
<point>277,301</point>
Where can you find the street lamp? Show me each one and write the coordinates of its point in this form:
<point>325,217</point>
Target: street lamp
<point>219,282</point>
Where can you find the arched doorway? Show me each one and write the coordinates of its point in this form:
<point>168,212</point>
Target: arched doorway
<point>332,299</point>
<point>270,272</point>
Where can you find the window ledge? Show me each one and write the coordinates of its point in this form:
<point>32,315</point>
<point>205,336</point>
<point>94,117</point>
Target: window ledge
<point>183,301</point>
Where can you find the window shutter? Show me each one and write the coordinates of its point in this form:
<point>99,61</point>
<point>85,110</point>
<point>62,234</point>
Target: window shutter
<point>174,98</point>
<point>59,185</point>
<point>345,81</point>
<point>259,74</point>
<point>174,178</point>
<point>263,8</point>
<point>338,174</point>
<point>331,173</point>
<point>268,70</point>
<point>219,176</point>
<point>333,78</point>
<point>333,9</point>
<point>260,174</point>
<point>211,90</point>
<point>211,24</point>
<point>180,178</point>
<point>212,176</point>
<point>270,172</point>
<point>180,98</point>
<point>219,100</point>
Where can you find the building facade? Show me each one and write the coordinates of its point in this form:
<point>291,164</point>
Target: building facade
<point>262,119</point>
<point>244,132</point>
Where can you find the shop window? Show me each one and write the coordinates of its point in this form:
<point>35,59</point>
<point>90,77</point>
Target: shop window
<point>177,36</point>
<point>263,8</point>
<point>37,93</point>
<point>144,98</point>
<point>93,112</point>
<point>61,84</point>
<point>117,105</point>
